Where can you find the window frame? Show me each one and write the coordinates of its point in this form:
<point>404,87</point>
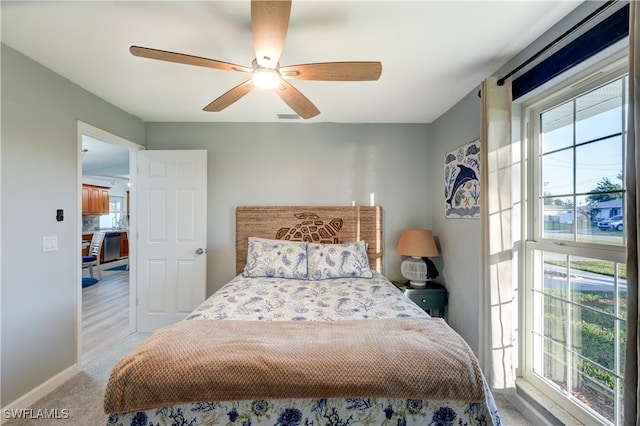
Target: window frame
<point>598,73</point>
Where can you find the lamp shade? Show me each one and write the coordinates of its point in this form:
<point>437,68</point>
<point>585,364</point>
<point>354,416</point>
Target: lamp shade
<point>417,243</point>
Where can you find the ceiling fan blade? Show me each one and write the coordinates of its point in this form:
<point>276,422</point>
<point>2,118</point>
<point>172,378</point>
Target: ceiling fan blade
<point>181,58</point>
<point>297,101</point>
<point>333,71</point>
<point>230,97</point>
<point>269,24</point>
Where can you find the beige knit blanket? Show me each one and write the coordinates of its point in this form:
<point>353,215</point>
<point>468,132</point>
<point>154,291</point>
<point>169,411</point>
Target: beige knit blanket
<point>214,360</point>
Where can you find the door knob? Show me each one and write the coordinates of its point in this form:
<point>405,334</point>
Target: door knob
<point>199,251</point>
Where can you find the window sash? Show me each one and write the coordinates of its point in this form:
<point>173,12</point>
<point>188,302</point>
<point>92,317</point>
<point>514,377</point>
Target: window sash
<point>571,194</point>
<point>532,318</point>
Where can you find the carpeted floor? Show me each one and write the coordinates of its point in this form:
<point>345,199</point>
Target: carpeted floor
<point>82,396</point>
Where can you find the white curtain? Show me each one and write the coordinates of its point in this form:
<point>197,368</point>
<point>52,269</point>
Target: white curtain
<point>632,177</point>
<point>497,303</point>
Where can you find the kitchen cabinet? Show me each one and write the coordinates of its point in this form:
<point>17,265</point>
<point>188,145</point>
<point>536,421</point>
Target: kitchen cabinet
<point>85,199</point>
<point>95,200</point>
<point>124,245</point>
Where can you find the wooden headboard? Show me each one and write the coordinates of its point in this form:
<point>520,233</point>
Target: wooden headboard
<point>318,224</point>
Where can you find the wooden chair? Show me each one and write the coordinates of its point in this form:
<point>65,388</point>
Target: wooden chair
<point>92,260</point>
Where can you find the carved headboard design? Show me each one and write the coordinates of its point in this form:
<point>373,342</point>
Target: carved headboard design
<point>318,224</point>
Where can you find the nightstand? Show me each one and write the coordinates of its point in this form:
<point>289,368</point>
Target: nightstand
<point>432,298</point>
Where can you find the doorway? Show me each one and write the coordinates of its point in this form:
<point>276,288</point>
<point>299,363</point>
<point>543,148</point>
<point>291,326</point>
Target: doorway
<point>106,313</point>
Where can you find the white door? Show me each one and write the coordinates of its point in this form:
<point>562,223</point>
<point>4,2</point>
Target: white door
<point>172,235</point>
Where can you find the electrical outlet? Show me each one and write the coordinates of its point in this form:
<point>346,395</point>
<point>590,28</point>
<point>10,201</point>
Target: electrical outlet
<point>50,243</point>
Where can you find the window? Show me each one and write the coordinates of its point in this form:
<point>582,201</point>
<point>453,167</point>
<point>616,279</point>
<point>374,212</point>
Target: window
<point>115,218</point>
<point>575,309</point>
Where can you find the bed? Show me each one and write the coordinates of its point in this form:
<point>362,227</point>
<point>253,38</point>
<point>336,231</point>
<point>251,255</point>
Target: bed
<point>309,332</point>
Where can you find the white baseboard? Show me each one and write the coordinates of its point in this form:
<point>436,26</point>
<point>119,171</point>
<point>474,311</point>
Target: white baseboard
<point>40,392</point>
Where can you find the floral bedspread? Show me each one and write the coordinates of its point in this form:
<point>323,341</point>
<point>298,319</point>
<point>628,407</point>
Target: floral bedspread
<point>273,299</point>
<point>281,299</point>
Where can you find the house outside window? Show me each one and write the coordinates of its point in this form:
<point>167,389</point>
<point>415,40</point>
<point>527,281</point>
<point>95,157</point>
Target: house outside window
<point>574,322</point>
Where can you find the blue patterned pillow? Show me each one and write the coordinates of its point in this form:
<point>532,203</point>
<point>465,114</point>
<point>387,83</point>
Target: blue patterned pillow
<point>276,258</point>
<point>344,260</point>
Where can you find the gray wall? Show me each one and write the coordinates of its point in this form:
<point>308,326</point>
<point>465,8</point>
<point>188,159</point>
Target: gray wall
<point>305,164</point>
<point>460,238</point>
<point>39,169</point>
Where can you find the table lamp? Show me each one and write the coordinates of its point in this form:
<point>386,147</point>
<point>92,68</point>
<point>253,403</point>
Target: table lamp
<point>420,245</point>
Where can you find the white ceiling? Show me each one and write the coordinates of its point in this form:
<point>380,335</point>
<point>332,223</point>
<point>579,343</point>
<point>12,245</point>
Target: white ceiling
<point>433,53</point>
<point>104,160</point>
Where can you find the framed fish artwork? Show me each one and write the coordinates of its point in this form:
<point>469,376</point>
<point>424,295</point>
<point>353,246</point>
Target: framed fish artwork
<point>462,182</point>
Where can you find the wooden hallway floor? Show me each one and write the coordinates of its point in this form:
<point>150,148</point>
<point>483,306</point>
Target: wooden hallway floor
<point>105,313</point>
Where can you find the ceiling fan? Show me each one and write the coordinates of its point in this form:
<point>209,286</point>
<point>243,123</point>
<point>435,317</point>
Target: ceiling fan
<point>269,24</point>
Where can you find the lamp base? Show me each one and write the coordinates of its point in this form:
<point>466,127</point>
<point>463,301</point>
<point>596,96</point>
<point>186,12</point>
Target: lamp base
<point>418,271</point>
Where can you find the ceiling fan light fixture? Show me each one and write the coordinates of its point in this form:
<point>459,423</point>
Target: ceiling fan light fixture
<point>266,78</point>
<point>269,25</point>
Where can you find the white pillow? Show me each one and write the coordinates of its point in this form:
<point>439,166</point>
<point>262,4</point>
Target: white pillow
<point>276,258</point>
<point>343,260</point>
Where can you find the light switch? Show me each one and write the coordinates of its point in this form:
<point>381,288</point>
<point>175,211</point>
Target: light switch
<point>50,243</point>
